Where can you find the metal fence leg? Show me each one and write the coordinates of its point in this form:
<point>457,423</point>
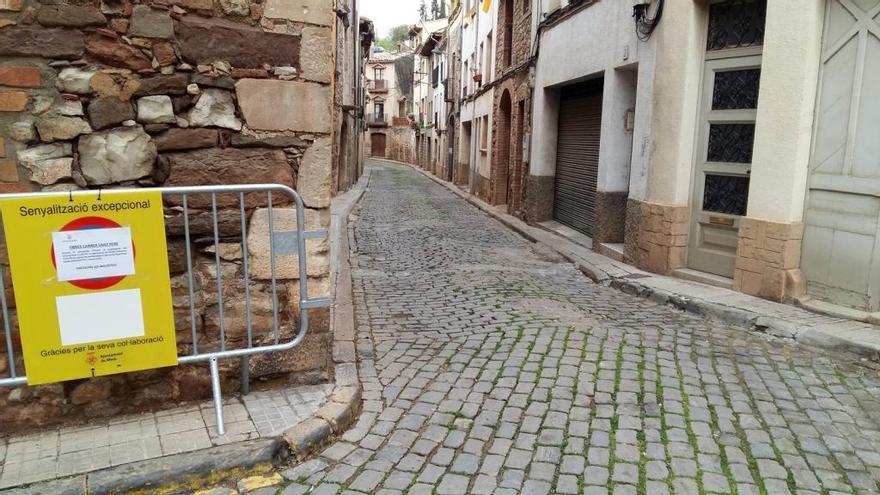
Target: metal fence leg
<point>245,375</point>
<point>218,399</point>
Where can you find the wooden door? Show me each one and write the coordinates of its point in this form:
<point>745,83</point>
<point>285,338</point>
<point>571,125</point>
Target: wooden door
<point>377,145</point>
<point>841,250</point>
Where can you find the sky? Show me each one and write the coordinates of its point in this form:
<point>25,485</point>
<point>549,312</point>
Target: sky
<point>386,14</point>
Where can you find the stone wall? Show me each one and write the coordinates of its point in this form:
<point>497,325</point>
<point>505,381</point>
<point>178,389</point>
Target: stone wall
<point>138,93</point>
<point>768,260</point>
<point>656,236</point>
<point>610,218</point>
<point>400,144</point>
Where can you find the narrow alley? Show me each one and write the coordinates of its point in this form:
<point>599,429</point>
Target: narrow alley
<point>491,366</point>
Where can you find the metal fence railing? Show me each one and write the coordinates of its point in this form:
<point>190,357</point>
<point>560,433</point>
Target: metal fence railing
<point>281,243</point>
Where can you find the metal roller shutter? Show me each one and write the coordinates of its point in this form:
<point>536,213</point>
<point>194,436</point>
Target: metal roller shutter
<point>577,156</point>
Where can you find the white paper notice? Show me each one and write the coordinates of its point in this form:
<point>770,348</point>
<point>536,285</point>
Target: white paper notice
<point>93,253</point>
<point>86,318</point>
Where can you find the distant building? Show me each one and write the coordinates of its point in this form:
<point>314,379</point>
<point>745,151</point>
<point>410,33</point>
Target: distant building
<point>388,107</point>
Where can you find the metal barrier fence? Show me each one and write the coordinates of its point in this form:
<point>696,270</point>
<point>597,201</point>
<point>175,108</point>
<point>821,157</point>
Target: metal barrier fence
<point>284,243</point>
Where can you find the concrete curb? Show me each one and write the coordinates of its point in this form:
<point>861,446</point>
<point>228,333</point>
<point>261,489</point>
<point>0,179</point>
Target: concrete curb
<point>185,473</point>
<point>334,417</point>
<point>180,473</point>
<point>833,338</point>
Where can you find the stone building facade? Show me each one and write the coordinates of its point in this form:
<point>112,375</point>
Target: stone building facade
<point>388,107</point>
<point>451,169</point>
<point>127,93</point>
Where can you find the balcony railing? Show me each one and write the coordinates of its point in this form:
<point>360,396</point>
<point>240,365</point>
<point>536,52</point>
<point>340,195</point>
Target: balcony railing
<point>377,119</point>
<point>378,85</point>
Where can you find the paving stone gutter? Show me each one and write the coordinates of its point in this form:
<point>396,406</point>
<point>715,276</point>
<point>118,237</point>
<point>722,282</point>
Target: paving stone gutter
<point>830,334</point>
<point>187,472</point>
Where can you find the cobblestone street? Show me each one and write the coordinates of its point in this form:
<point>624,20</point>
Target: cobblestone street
<point>492,366</point>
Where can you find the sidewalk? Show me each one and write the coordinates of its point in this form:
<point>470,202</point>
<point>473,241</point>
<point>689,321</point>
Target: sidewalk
<point>69,451</point>
<point>779,320</point>
<point>178,450</point>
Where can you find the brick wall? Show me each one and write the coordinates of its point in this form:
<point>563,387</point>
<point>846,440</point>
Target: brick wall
<point>521,32</point>
<point>507,183</point>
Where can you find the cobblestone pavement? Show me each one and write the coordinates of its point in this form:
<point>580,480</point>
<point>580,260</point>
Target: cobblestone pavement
<point>490,366</point>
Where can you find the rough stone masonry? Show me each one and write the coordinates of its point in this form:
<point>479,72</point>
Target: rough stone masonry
<point>140,93</point>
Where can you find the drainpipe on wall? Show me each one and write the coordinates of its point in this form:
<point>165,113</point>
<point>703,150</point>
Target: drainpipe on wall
<point>475,133</point>
<point>358,76</point>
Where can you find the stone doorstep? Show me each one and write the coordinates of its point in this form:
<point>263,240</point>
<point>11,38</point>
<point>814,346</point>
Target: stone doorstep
<point>183,473</point>
<point>835,335</point>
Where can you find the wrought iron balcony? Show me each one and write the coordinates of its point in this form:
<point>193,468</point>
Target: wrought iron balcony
<point>377,120</point>
<point>378,86</point>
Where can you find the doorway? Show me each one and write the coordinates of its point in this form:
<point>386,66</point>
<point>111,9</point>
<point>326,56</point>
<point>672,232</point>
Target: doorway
<point>377,145</point>
<point>577,155</point>
<point>502,152</point>
<point>725,143</point>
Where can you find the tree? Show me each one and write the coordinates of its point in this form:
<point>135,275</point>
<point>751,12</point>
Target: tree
<point>396,36</point>
<point>442,9</point>
<point>423,11</point>
<point>435,9</point>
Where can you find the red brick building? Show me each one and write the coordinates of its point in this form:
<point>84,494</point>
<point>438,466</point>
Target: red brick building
<point>512,104</point>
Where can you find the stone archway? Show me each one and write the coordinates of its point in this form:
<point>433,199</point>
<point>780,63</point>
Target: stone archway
<point>501,156</point>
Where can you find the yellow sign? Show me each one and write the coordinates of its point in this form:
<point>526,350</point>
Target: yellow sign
<point>92,289</point>
<point>487,4</point>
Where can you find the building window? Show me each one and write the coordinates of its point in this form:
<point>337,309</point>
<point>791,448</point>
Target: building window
<point>466,84</point>
<point>726,194</point>
<point>730,108</point>
<point>483,68</point>
<point>379,73</point>
<point>736,89</point>
<point>731,143</point>
<point>484,134</point>
<point>736,24</point>
<point>487,64</point>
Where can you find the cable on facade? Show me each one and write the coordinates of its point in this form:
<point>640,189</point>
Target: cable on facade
<point>646,24</point>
